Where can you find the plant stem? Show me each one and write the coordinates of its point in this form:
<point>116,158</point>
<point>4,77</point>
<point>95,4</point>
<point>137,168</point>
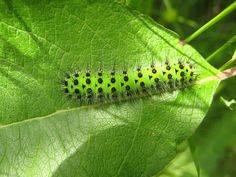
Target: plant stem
<point>167,4</point>
<point>223,47</point>
<point>186,21</point>
<point>228,63</point>
<point>231,72</point>
<point>217,18</point>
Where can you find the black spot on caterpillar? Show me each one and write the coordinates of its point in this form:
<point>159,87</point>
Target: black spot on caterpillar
<point>93,87</point>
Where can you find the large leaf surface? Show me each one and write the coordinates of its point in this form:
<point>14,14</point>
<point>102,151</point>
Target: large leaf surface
<point>42,133</point>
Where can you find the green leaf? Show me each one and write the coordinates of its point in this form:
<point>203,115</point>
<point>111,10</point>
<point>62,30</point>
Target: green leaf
<point>144,6</point>
<point>42,133</point>
<point>182,166</point>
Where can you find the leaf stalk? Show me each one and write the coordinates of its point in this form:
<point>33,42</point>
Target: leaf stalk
<point>217,18</point>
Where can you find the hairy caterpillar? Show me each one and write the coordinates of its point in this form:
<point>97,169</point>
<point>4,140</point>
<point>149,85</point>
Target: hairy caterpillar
<point>92,87</point>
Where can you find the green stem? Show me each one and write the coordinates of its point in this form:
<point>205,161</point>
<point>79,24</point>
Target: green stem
<point>217,18</point>
<point>167,4</point>
<point>228,63</point>
<point>223,47</point>
<point>186,21</point>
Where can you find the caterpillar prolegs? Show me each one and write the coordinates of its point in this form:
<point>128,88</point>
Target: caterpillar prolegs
<point>114,85</point>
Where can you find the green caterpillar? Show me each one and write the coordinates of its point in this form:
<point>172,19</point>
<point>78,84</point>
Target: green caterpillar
<point>92,87</point>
